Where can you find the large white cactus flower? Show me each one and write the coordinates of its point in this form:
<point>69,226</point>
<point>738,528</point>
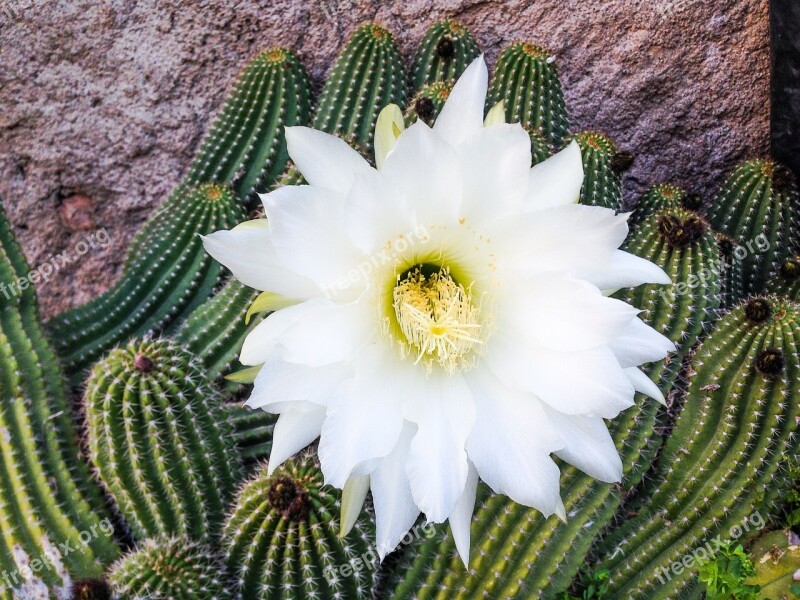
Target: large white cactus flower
<point>443,317</point>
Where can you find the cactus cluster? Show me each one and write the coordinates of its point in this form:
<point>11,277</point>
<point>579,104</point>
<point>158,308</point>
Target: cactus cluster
<point>168,441</point>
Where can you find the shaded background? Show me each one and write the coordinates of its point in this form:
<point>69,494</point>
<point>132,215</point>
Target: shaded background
<point>105,101</point>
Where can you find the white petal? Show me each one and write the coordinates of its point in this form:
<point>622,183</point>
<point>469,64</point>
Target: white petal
<point>308,232</point>
<point>562,313</point>
<point>437,463</point>
<point>494,165</point>
<point>353,496</point>
<point>388,127</point>
<point>625,270</point>
<point>578,382</point>
<point>644,385</point>
<point>294,431</point>
<point>587,445</point>
<point>556,181</point>
<point>462,113</point>
<point>511,442</point>
<point>279,385</point>
<point>461,517</point>
<point>324,160</point>
<point>248,252</point>
<point>640,344</point>
<point>395,510</point>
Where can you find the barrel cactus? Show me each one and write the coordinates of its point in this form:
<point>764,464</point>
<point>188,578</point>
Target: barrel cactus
<point>444,52</point>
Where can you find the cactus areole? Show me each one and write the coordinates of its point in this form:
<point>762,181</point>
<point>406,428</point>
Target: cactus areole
<point>439,312</point>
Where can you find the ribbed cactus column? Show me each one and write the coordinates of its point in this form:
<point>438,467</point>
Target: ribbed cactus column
<point>758,207</point>
<point>252,431</point>
<point>160,441</point>
<point>787,280</point>
<point>721,463</point>
<point>732,271</point>
<point>48,499</point>
<point>427,103</point>
<point>526,79</point>
<point>368,75</point>
<point>446,49</point>
<point>282,539</point>
<point>663,195</point>
<point>167,274</point>
<point>603,166</point>
<point>245,146</point>
<point>516,552</point>
<point>175,568</point>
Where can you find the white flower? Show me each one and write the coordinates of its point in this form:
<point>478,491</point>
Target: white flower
<point>443,317</point>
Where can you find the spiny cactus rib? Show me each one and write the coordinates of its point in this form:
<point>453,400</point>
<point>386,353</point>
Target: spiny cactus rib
<point>787,281</point>
<point>516,552</point>
<point>660,196</point>
<point>252,431</point>
<point>446,49</point>
<point>165,279</point>
<point>526,79</point>
<point>731,256</point>
<point>368,75</point>
<point>427,103</point>
<point>246,147</point>
<point>175,568</point>
<point>721,463</point>
<point>603,166</point>
<point>48,499</point>
<point>160,441</point>
<point>281,540</point>
<point>758,207</point>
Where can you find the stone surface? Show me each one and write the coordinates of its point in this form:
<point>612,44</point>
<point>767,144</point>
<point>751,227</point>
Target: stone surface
<point>109,98</point>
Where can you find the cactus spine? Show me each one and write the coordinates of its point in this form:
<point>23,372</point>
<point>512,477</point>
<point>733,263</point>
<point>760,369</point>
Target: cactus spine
<point>518,553</point>
<point>787,280</point>
<point>758,208</point>
<point>48,499</point>
<point>368,75</point>
<point>175,568</point>
<point>603,165</point>
<point>252,430</point>
<point>282,541</point>
<point>446,49</point>
<point>159,440</point>
<point>526,79</point>
<point>722,461</point>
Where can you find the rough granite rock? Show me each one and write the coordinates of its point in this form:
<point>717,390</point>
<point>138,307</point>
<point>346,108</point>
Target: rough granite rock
<point>108,99</point>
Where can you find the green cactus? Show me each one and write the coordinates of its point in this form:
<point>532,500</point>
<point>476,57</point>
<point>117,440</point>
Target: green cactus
<point>162,282</point>
<point>663,195</point>
<point>48,498</point>
<point>174,568</point>
<point>516,552</point>
<point>159,440</point>
<point>526,79</point>
<point>758,207</point>
<point>603,165</point>
<point>787,280</point>
<point>281,540</point>
<point>721,465</point>
<point>427,103</point>
<point>368,75</point>
<point>732,276</point>
<point>245,147</point>
<point>252,431</point>
<point>446,49</point>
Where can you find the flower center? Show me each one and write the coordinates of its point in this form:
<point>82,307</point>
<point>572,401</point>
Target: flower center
<point>437,317</point>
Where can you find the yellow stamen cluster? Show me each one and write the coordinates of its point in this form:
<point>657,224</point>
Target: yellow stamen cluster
<point>438,318</point>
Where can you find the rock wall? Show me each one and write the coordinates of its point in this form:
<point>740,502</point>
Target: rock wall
<point>104,101</point>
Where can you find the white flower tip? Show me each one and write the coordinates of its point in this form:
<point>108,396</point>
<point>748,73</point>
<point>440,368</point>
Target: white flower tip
<point>388,127</point>
<point>496,116</point>
<point>353,496</point>
<point>561,511</point>
<point>271,466</point>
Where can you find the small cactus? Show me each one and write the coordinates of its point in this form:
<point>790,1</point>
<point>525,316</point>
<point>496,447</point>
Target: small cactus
<point>428,102</point>
<point>446,49</point>
<point>787,279</point>
<point>722,462</point>
<point>368,75</point>
<point>663,195</point>
<point>281,540</point>
<point>758,208</point>
<point>526,80</point>
<point>166,275</point>
<point>175,568</point>
<point>603,166</point>
<point>159,440</point>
